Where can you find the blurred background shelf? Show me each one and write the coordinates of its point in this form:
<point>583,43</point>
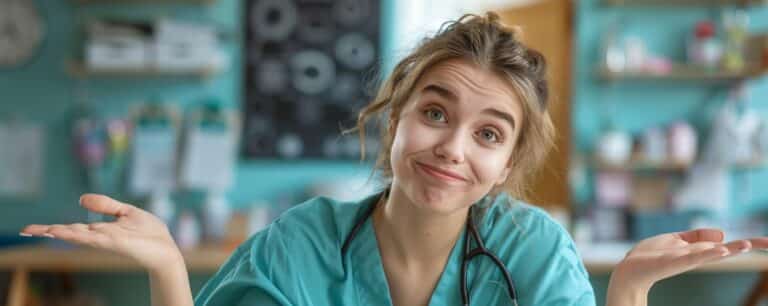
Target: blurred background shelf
<point>671,166</point>
<point>42,257</point>
<point>680,73</point>
<point>684,3</point>
<point>601,258</point>
<point>86,2</point>
<point>80,70</point>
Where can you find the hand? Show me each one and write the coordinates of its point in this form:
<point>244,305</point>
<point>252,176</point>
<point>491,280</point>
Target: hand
<point>666,255</point>
<point>135,233</point>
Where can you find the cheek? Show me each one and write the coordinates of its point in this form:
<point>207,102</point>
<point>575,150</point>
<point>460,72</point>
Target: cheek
<point>411,137</point>
<point>491,166</point>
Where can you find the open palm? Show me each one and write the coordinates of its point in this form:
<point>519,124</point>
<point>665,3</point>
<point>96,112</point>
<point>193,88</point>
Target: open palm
<point>666,255</point>
<point>135,232</point>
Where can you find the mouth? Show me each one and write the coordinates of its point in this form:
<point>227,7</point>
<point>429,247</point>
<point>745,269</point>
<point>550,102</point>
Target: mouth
<point>441,173</point>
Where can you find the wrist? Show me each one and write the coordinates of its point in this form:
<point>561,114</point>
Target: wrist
<point>624,291</point>
<point>171,263</point>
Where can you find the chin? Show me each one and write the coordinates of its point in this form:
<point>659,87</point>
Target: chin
<point>439,200</point>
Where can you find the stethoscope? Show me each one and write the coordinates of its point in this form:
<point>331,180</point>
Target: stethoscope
<point>469,253</point>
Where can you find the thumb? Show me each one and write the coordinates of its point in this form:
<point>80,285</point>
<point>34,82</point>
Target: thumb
<point>702,235</point>
<point>104,205</point>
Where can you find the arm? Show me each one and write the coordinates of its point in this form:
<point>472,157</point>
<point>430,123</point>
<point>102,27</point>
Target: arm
<point>169,285</point>
<point>136,234</point>
<point>666,255</point>
<point>620,293</point>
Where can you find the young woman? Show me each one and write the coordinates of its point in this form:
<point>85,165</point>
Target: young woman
<point>465,123</point>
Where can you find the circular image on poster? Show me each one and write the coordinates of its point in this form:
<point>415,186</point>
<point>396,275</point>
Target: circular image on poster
<point>352,12</point>
<point>289,145</point>
<point>259,135</point>
<point>309,112</point>
<point>313,71</point>
<point>315,27</point>
<point>271,76</point>
<point>346,87</point>
<point>273,19</point>
<point>355,51</point>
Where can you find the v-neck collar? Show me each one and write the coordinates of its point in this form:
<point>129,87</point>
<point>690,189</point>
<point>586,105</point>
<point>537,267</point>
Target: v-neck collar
<point>371,280</point>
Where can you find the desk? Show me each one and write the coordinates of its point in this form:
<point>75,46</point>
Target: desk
<point>601,258</point>
<point>41,258</point>
<point>598,259</point>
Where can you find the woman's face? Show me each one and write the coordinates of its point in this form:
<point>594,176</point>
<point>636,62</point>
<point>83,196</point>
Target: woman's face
<point>454,137</point>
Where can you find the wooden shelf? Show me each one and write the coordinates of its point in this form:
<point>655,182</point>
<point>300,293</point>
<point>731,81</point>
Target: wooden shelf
<point>75,259</point>
<point>670,166</point>
<point>80,70</point>
<point>85,2</point>
<point>680,73</point>
<point>685,3</point>
<point>601,258</point>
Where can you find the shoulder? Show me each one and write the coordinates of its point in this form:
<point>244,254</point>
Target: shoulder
<point>301,242</point>
<point>317,226</point>
<point>538,251</point>
<point>523,221</point>
<point>320,216</point>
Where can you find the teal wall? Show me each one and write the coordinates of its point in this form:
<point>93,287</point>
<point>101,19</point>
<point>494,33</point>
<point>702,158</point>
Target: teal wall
<point>634,106</point>
<point>43,91</point>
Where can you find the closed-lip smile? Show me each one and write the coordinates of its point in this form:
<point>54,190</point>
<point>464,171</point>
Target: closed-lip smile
<point>445,174</point>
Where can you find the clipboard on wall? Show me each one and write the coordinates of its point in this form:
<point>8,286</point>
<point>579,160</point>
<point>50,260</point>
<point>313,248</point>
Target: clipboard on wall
<point>209,152</point>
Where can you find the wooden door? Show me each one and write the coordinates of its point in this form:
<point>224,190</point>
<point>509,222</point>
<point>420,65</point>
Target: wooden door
<point>547,27</point>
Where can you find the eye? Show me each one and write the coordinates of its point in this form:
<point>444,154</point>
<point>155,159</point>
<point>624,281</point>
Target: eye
<point>489,135</point>
<point>434,114</point>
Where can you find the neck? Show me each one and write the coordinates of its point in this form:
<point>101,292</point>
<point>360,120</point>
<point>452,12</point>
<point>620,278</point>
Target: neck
<point>416,238</point>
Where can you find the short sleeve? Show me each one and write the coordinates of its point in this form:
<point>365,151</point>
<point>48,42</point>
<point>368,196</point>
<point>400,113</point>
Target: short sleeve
<point>540,255</point>
<point>553,272</point>
<point>245,278</point>
<point>562,280</point>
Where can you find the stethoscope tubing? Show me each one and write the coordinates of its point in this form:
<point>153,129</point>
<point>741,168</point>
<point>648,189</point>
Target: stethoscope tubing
<point>469,254</point>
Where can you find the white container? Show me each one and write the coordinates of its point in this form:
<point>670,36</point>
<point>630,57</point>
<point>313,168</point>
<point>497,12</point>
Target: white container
<point>171,31</point>
<point>217,216</point>
<point>183,56</point>
<point>116,53</point>
<point>614,147</point>
<point>188,232</point>
<point>655,145</point>
<point>682,143</point>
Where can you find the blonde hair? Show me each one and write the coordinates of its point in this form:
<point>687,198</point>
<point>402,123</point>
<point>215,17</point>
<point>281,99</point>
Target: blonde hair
<point>488,43</point>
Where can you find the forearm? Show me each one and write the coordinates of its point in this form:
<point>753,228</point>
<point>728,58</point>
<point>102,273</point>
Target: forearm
<point>624,293</point>
<point>169,285</point>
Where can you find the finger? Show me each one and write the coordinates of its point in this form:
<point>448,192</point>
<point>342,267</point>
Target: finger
<point>759,243</point>
<point>738,246</point>
<point>34,230</point>
<point>104,205</point>
<point>702,234</point>
<point>80,234</point>
<point>694,259</point>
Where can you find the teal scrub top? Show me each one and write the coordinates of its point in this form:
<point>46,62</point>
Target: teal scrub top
<point>297,260</point>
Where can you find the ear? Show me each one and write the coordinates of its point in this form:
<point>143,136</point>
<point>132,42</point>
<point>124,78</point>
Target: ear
<point>503,176</point>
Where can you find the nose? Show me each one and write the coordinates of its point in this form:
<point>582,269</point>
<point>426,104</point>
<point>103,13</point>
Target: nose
<point>451,147</point>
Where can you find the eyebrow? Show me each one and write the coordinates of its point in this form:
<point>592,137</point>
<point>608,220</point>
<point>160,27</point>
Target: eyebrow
<point>450,96</point>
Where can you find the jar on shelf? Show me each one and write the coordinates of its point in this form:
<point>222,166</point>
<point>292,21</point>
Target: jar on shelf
<point>704,49</point>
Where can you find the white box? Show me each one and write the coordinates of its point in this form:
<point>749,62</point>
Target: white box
<point>168,31</point>
<point>183,56</point>
<point>117,53</point>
